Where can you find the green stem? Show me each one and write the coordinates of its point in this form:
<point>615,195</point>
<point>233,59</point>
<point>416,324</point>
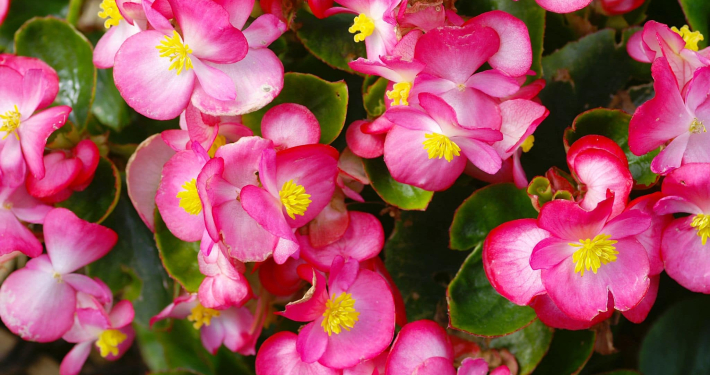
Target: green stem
<point>74,11</point>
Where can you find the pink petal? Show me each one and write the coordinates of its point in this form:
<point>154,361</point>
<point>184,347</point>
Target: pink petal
<point>494,83</point>
<point>121,314</point>
<point>22,64</point>
<point>692,183</point>
<point>280,279</point>
<point>600,172</point>
<point>415,343</point>
<point>34,133</point>
<point>241,160</point>
<point>33,88</point>
<point>178,140</point>
<point>75,359</point>
<point>480,154</point>
<point>215,82</point>
<point>16,237</point>
<point>474,109</point>
<point>246,240</point>
<point>651,238</point>
<point>88,153</point>
<point>264,31</point>
<point>330,224</point>
<point>636,49</point>
<point>697,150</point>
<point>108,45</point>
<point>239,11</point>
<point>265,209</point>
<point>179,309</point>
<point>435,366</point>
<point>24,206</point>
<point>639,313</point>
<point>684,257</point>
<point>312,341</point>
<point>87,285</point>
<point>278,356</point>
<point>290,125</point>
<point>563,6</point>
<point>11,90</point>
<point>671,157</point>
<point>237,324</point>
<point>362,144</point>
<point>312,305</point>
<point>212,336</point>
<point>551,315</point>
<point>520,118</point>
<point>473,366</point>
<point>566,220</point>
<point>61,173</point>
<point>629,223</point>
<point>514,55</point>
<point>12,162</point>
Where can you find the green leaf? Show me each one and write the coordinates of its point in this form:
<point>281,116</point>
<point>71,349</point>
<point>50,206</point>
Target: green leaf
<point>621,372</point>
<point>526,10</point>
<point>475,307</point>
<point>21,11</point>
<point>99,199</point>
<point>614,124</point>
<point>528,345</point>
<point>400,195</point>
<point>109,107</point>
<point>679,340</point>
<point>569,352</point>
<point>329,40</point>
<point>179,257</point>
<point>67,51</point>
<point>183,348</point>
<point>486,209</point>
<point>696,12</point>
<point>373,97</point>
<point>418,258</point>
<point>327,100</point>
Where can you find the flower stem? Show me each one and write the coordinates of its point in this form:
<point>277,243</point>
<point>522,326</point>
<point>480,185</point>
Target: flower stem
<point>74,13</point>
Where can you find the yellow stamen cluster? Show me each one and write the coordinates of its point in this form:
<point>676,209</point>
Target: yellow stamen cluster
<point>189,198</point>
<point>593,253</point>
<point>201,316</point>
<point>110,12</point>
<point>691,38</point>
<point>339,313</point>
<point>399,93</point>
<point>10,122</point>
<point>697,127</point>
<point>702,224</point>
<point>528,143</point>
<point>440,146</point>
<point>363,24</point>
<point>109,341</point>
<point>173,48</point>
<point>219,141</point>
<point>294,198</point>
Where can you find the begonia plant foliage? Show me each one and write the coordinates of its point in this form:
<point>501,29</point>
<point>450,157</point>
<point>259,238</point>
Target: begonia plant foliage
<point>356,187</point>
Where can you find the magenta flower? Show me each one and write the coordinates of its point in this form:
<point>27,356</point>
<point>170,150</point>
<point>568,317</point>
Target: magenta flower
<point>398,70</point>
<point>350,321</point>
<point>365,144</point>
<point>430,149</point>
<point>4,6</point>
<point>279,355</point>
<point>615,7</point>
<point>374,24</point>
<point>156,71</point>
<point>672,119</point>
<point>17,206</point>
<point>38,302</point>
<point>224,284</point>
<point>563,6</point>
<point>123,19</point>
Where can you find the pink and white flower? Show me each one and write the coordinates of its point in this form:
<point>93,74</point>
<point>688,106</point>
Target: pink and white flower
<point>17,206</point>
<point>123,19</point>
<point>224,284</point>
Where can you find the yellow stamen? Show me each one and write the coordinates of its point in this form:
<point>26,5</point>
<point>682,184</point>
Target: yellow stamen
<point>399,93</point>
<point>219,141</point>
<point>702,224</point>
<point>294,198</point>
<point>10,122</point>
<point>593,253</point>
<point>339,313</point>
<point>697,127</point>
<point>189,199</point>
<point>440,146</point>
<point>110,12</point>
<point>176,51</point>
<point>528,143</point>
<point>691,38</point>
<point>363,24</point>
<point>109,341</point>
<point>202,316</point>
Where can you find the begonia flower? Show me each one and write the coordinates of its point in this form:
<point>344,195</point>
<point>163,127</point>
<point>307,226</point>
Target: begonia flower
<point>211,132</point>
<point>429,149</point>
<point>332,222</point>
<point>281,279</point>
<point>289,125</point>
<point>17,206</point>
<point>366,145</point>
<point>279,355</point>
<point>351,320</point>
<point>352,177</point>
<point>399,71</point>
<point>38,302</point>
<point>673,119</point>
<point>4,6</point>
<point>374,23</point>
<point>22,64</point>
<point>123,19</point>
<point>224,284</point>
<point>563,6</point>
<point>616,7</point>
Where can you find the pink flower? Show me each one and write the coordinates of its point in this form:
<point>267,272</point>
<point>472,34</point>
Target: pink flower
<point>4,6</point>
<point>123,19</point>
<point>290,125</point>
<point>281,279</point>
<point>362,142</point>
<point>350,321</point>
<point>22,64</point>
<point>675,120</point>
<point>234,327</point>
<point>352,177</point>
<point>211,132</point>
<point>24,132</point>
<point>563,6</point>
<point>374,23</point>
<point>430,149</point>
<point>38,302</point>
<point>687,190</point>
<point>279,355</point>
<point>16,206</point>
<point>224,284</point>
<point>400,71</point>
<point>615,7</point>
<point>156,71</point>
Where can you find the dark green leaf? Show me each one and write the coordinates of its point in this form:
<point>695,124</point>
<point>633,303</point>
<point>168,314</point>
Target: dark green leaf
<point>373,97</point>
<point>697,12</point>
<point>327,100</point>
<point>486,209</point>
<point>622,372</point>
<point>99,199</point>
<point>109,107</point>
<point>183,348</point>
<point>329,40</point>
<point>21,11</point>
<point>179,257</point>
<point>400,195</point>
<point>67,51</point>
<point>528,345</point>
<point>569,352</point>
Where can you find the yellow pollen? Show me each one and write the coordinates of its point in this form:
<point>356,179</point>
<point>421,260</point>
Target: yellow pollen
<point>219,141</point>
<point>110,12</point>
<point>176,51</point>
<point>202,316</point>
<point>697,127</point>
<point>593,253</point>
<point>339,313</point>
<point>189,199</point>
<point>691,38</point>
<point>364,25</point>
<point>109,341</point>
<point>440,146</point>
<point>702,224</point>
<point>10,122</point>
<point>399,93</point>
<point>294,198</point>
<point>528,143</point>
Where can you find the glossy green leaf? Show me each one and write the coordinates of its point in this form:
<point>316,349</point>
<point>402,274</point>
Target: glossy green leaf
<point>486,209</point>
<point>20,11</point>
<point>528,345</point>
<point>327,100</point>
<point>373,97</point>
<point>475,307</point>
<point>417,255</point>
<point>569,352</point>
<point>614,124</point>
<point>329,40</point>
<point>179,257</point>
<point>400,195</point>
<point>98,200</point>
<point>109,107</point>
<point>679,341</point>
<point>697,12</point>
